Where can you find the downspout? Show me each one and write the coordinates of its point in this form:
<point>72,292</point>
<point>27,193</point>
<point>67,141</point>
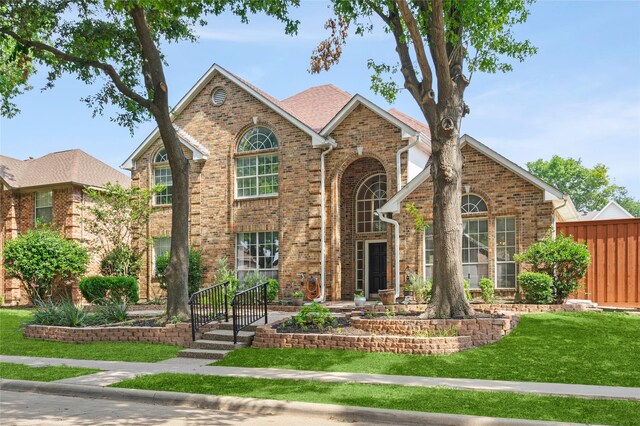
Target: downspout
<point>321,298</point>
<point>553,214</point>
<point>413,141</point>
<point>396,250</point>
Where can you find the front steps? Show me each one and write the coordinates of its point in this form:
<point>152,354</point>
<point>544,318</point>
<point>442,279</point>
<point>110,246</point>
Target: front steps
<point>216,344</point>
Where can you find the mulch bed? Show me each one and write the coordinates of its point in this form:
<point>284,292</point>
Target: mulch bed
<point>340,326</point>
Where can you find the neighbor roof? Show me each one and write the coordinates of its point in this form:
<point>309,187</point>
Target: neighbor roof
<point>63,167</point>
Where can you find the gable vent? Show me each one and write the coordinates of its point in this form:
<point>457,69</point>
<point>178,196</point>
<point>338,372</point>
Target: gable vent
<point>219,95</point>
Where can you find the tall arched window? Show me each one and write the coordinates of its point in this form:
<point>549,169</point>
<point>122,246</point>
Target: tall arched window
<point>162,176</point>
<point>371,195</point>
<point>475,240</point>
<point>257,165</point>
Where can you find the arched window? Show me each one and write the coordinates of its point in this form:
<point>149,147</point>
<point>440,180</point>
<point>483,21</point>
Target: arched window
<point>162,176</point>
<point>257,174</point>
<point>371,195</point>
<point>472,203</point>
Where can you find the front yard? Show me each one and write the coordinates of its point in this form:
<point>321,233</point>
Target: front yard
<point>582,348</point>
<point>13,343</point>
<point>41,374</point>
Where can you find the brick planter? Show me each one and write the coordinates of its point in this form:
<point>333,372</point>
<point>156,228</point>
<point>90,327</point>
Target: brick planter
<point>267,337</point>
<point>527,308</point>
<point>171,334</point>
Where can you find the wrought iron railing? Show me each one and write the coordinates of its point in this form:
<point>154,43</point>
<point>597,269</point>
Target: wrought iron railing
<point>208,304</point>
<point>247,307</point>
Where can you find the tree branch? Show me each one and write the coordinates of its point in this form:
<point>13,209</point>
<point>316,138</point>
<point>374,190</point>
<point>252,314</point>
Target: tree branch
<point>437,46</point>
<point>108,69</point>
<point>418,45</point>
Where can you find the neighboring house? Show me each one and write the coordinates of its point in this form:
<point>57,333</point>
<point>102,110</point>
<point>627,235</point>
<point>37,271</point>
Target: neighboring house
<point>612,210</point>
<point>48,189</point>
<point>302,185</point>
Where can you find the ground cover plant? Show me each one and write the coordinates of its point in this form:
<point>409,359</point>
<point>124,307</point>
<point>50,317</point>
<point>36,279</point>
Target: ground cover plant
<point>437,400</point>
<point>41,374</point>
<point>13,343</point>
<point>586,348</point>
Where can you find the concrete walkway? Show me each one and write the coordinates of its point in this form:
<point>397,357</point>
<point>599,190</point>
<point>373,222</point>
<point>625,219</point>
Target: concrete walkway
<point>115,371</point>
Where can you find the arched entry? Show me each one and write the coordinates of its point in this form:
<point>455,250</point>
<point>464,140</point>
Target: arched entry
<point>363,236</point>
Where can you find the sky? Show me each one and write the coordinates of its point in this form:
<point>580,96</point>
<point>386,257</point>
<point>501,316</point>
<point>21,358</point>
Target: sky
<point>578,97</point>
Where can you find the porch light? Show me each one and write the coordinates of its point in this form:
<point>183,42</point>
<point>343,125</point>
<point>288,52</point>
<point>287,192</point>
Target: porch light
<point>359,149</point>
<point>467,188</point>
<point>255,120</point>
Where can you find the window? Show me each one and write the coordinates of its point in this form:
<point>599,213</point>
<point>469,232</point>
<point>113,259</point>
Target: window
<point>475,250</point>
<point>359,265</point>
<point>162,176</point>
<point>472,203</point>
<point>371,195</point>
<point>505,249</point>
<point>161,246</point>
<point>44,207</point>
<point>428,253</point>
<point>257,252</point>
<point>257,175</point>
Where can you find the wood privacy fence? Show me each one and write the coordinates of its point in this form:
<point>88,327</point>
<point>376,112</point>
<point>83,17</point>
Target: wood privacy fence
<point>613,278</point>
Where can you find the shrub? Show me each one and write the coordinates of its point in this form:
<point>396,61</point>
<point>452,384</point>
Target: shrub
<point>121,261</point>
<point>537,287</point>
<point>109,313</point>
<point>486,290</point>
<point>102,290</point>
<point>273,287</point>
<point>64,314</point>
<point>421,288</point>
<point>314,315</point>
<point>252,279</point>
<point>42,259</point>
<point>563,259</point>
<point>467,291</point>
<point>196,270</point>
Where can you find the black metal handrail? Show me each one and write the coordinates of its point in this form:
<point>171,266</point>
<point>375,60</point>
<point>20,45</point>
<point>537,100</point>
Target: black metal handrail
<point>247,307</point>
<point>207,305</point>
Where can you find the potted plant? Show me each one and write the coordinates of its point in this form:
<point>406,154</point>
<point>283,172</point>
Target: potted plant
<point>387,297</point>
<point>297,298</point>
<point>359,299</point>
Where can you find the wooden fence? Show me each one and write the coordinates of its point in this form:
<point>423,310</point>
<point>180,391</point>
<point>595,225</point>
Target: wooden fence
<point>613,278</point>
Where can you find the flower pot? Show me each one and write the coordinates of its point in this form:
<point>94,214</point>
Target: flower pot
<point>387,297</point>
<point>359,301</point>
<point>297,301</point>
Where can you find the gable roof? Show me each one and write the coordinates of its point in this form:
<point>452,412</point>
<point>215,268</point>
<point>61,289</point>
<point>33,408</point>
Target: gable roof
<point>550,193</point>
<point>63,167</point>
<point>612,210</point>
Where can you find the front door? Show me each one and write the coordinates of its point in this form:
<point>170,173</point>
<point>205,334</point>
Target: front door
<point>377,268</point>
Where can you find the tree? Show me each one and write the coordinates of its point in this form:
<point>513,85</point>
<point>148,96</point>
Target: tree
<point>435,41</point>
<point>118,216</point>
<point>118,43</point>
<point>42,260</point>
<point>589,188</point>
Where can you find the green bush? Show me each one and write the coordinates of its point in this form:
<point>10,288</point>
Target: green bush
<point>273,287</point>
<point>67,314</point>
<point>109,313</point>
<point>486,290</point>
<point>121,261</point>
<point>196,270</point>
<point>42,259</point>
<point>537,287</point>
<point>467,291</point>
<point>563,259</point>
<point>314,315</point>
<point>421,288</point>
<point>102,290</point>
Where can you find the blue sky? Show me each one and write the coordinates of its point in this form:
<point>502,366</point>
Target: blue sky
<point>579,96</point>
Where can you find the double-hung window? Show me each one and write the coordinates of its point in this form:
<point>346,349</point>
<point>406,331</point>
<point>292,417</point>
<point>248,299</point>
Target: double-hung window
<point>505,249</point>
<point>257,164</point>
<point>44,207</point>
<point>257,252</point>
<point>162,176</point>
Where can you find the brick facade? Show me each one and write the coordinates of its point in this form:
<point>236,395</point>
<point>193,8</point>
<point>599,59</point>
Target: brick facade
<point>217,215</point>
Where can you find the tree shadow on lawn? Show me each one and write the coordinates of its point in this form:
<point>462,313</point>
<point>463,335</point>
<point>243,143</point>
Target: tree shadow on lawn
<point>584,348</point>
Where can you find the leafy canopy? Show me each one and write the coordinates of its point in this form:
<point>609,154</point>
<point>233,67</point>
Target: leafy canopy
<point>589,188</point>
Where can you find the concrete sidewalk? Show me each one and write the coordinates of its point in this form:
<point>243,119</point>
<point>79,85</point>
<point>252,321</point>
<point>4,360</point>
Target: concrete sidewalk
<point>115,371</point>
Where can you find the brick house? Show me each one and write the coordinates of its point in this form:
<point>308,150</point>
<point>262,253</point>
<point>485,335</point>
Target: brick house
<point>316,184</point>
<point>48,189</point>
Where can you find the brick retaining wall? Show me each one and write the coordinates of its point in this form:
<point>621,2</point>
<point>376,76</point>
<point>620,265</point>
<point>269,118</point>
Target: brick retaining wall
<point>171,334</point>
<point>527,308</point>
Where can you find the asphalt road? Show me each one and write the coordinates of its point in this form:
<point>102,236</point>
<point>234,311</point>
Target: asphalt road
<point>23,408</point>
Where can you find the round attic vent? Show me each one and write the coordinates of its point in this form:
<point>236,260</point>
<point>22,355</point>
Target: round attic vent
<point>218,96</point>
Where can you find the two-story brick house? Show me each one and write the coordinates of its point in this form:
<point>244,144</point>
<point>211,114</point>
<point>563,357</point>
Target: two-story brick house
<point>317,183</point>
<point>48,189</point>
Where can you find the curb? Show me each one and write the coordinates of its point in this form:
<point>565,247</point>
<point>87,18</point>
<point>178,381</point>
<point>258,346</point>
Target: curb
<point>263,406</point>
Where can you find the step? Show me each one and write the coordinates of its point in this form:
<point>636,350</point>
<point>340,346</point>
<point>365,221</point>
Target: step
<point>217,345</point>
<point>202,353</point>
<point>229,326</point>
<point>227,336</point>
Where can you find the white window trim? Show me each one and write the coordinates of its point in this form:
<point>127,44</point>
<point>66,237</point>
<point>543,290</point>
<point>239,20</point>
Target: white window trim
<point>366,264</point>
<point>36,207</point>
<point>488,262</point>
<point>153,178</point>
<point>258,270</point>
<point>495,252</point>
<point>153,252</point>
<point>252,154</point>
<point>355,267</point>
<point>374,212</point>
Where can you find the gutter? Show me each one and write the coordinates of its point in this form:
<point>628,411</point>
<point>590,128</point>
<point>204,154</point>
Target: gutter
<point>565,198</point>
<point>321,298</point>
<point>396,250</point>
<point>413,141</point>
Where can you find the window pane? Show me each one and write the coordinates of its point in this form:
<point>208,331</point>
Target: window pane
<point>257,252</point>
<point>162,176</point>
<point>161,246</point>
<point>505,249</point>
<point>43,206</point>
<point>371,195</point>
<point>257,138</point>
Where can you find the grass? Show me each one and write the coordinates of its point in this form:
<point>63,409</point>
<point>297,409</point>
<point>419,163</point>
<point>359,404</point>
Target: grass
<point>13,343</point>
<point>438,400</point>
<point>580,348</point>
<point>41,374</point>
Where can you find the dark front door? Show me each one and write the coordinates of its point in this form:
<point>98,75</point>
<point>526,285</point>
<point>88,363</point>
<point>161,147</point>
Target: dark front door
<point>377,267</point>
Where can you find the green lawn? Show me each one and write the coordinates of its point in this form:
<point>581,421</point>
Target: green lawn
<point>41,374</point>
<point>12,343</point>
<point>584,348</point>
<point>437,400</point>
